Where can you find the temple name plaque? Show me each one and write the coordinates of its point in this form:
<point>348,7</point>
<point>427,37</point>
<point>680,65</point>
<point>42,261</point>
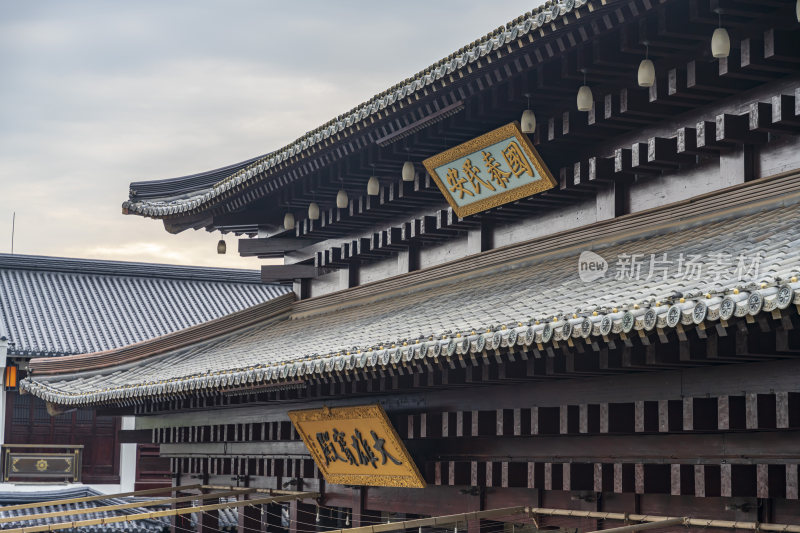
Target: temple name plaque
<point>491,170</point>
<point>356,446</point>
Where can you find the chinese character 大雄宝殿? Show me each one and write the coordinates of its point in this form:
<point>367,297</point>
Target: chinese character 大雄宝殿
<point>363,450</point>
<point>379,445</point>
<point>338,437</point>
<point>328,449</point>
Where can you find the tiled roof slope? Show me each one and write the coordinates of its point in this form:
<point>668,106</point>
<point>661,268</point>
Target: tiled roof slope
<point>228,517</point>
<point>511,303</point>
<point>185,185</point>
<point>53,306</point>
<point>155,525</point>
<point>529,25</point>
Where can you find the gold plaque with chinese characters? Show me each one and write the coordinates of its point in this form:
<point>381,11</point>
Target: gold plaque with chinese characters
<point>356,446</point>
<point>491,170</point>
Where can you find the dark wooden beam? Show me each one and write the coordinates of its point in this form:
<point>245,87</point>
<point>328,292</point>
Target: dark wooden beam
<point>775,447</point>
<point>273,273</point>
<point>271,247</point>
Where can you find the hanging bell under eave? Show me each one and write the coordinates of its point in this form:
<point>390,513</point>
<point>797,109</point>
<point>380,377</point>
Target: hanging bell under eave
<point>585,98</point>
<point>341,199</point>
<point>373,186</point>
<point>408,171</point>
<point>222,247</point>
<point>647,73</point>
<point>288,221</point>
<point>720,43</point>
<point>313,211</point>
<point>528,121</point>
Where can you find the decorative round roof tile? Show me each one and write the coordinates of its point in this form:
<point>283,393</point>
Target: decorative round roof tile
<point>785,296</point>
<point>480,343</point>
<point>495,340</point>
<point>727,308</point>
<point>673,316</point>
<point>435,350</point>
<point>754,303</point>
<point>699,312</point>
<point>421,351</point>
<point>451,347</point>
<point>529,335</point>
<point>586,327</point>
<point>628,321</point>
<point>547,333</point>
<point>511,339</point>
<point>606,323</point>
<point>650,318</point>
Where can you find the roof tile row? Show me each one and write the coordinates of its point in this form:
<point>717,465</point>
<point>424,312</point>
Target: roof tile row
<point>704,271</point>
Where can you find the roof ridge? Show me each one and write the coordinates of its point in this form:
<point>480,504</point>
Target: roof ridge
<point>129,268</point>
<point>515,29</point>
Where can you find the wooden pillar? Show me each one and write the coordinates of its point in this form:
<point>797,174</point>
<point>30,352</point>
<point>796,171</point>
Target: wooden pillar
<point>328,519</point>
<point>249,518</point>
<point>302,517</point>
<point>359,497</point>
<point>272,518</point>
<point>181,523</point>
<point>208,521</point>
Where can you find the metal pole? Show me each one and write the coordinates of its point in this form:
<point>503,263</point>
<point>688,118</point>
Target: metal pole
<point>157,514</point>
<point>13,227</point>
<point>435,521</point>
<point>701,522</point>
<point>642,527</point>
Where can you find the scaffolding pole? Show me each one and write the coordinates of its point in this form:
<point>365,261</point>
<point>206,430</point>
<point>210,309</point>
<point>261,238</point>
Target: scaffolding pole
<point>161,514</point>
<point>146,492</point>
<point>435,521</point>
<point>643,527</point>
<point>700,522</point>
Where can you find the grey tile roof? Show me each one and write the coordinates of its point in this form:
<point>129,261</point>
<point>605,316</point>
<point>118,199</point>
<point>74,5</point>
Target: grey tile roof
<point>537,299</point>
<point>528,25</point>
<point>140,526</point>
<point>53,306</point>
<point>228,517</point>
<point>185,185</point>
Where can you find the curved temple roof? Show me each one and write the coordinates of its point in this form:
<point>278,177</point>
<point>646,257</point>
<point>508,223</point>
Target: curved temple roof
<point>51,306</point>
<point>686,265</point>
<point>164,198</point>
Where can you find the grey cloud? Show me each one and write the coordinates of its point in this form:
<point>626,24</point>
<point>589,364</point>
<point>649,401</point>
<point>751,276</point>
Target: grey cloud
<point>95,94</point>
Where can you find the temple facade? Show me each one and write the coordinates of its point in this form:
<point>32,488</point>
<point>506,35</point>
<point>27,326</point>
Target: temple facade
<point>549,282</point>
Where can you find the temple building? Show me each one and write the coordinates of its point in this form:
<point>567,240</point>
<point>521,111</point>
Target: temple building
<point>550,282</point>
<point>57,308</point>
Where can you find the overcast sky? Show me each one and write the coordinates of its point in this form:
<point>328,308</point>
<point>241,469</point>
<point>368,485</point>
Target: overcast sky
<point>96,94</point>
